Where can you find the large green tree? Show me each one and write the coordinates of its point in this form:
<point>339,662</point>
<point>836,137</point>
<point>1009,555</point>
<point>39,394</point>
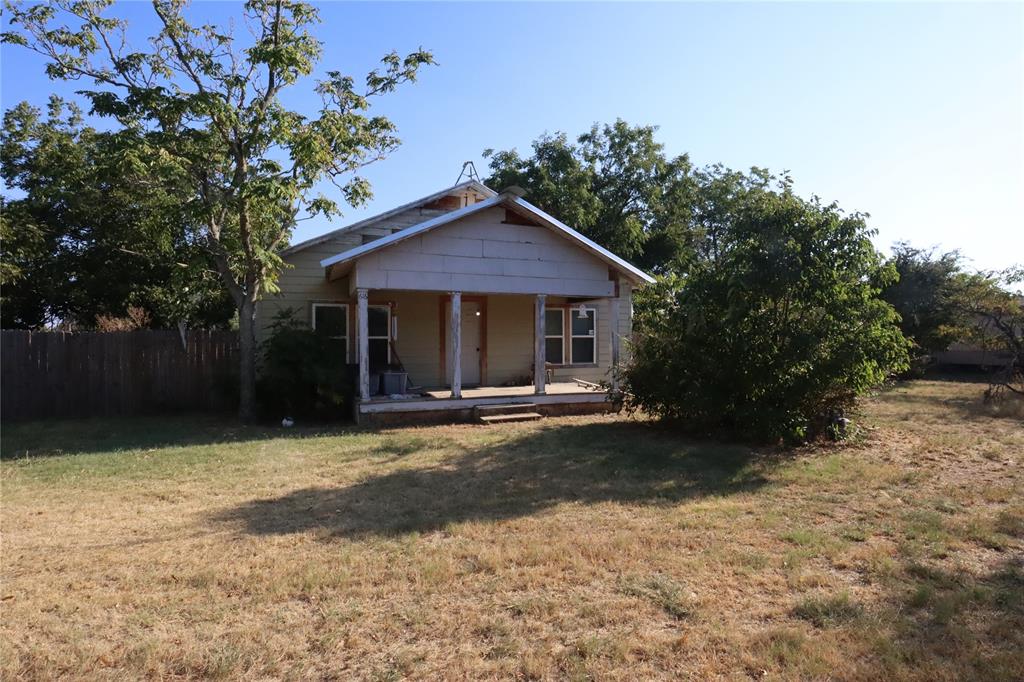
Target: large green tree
<point>208,111</point>
<point>79,243</point>
<point>775,326</point>
<point>614,184</point>
<point>924,296</point>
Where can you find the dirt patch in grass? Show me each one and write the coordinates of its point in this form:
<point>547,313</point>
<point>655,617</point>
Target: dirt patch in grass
<point>592,547</point>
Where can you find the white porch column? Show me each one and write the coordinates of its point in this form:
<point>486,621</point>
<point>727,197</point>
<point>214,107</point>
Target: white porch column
<point>614,327</point>
<point>456,337</point>
<point>539,374</point>
<point>363,344</point>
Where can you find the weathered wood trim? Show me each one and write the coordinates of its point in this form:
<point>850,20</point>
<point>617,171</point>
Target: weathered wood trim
<point>539,346</point>
<point>455,315</point>
<point>363,343</point>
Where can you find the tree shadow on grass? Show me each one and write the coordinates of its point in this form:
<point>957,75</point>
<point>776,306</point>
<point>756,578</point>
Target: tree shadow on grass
<point>971,626</point>
<point>590,463</point>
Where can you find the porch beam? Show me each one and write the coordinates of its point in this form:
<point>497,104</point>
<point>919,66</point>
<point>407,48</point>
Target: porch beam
<point>363,343</point>
<point>539,374</point>
<point>456,334</point>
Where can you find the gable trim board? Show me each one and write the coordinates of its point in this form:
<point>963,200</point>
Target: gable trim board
<point>327,236</point>
<point>509,201</point>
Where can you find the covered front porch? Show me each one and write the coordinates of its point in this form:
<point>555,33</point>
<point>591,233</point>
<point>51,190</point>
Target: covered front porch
<point>459,351</point>
<point>498,297</point>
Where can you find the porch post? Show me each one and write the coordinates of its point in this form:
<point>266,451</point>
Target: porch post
<point>539,375</point>
<point>363,344</point>
<point>456,335</point>
<point>614,327</point>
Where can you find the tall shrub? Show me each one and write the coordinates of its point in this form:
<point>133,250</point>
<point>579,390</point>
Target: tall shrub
<point>303,374</point>
<point>775,327</point>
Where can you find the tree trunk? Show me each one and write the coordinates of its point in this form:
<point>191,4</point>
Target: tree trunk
<point>247,369</point>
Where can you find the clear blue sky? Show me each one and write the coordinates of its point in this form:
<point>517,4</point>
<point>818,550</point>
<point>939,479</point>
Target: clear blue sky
<point>913,113</point>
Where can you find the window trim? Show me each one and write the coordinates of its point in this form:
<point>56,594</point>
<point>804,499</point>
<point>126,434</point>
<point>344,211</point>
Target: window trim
<point>344,307</point>
<point>592,337</point>
<point>560,311</point>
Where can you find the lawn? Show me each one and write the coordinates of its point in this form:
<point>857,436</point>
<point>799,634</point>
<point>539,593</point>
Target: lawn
<point>574,548</point>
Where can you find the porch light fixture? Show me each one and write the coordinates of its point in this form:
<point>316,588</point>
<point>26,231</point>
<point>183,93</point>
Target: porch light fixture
<point>581,311</point>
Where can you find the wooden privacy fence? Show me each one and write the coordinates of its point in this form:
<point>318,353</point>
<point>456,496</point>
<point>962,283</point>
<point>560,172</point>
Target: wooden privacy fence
<point>90,374</point>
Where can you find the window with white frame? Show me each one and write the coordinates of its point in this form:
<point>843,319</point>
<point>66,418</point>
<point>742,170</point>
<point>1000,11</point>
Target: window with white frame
<point>331,320</point>
<point>583,341</point>
<point>554,335</point>
<point>378,319</point>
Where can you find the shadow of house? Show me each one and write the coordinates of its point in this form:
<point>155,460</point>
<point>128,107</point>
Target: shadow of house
<point>633,463</point>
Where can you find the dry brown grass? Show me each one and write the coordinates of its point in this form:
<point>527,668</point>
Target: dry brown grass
<point>571,548</point>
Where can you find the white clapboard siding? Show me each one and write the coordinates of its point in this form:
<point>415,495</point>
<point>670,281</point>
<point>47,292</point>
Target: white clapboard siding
<point>479,253</point>
<point>303,282</point>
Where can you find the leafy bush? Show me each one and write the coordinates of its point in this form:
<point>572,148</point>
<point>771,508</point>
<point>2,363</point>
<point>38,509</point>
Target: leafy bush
<point>303,374</point>
<point>774,328</point>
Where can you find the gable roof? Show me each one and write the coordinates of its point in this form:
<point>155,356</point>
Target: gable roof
<point>471,184</point>
<point>508,200</point>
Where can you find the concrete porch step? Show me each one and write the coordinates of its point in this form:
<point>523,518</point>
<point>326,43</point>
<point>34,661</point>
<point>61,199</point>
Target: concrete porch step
<point>504,408</point>
<point>510,418</point>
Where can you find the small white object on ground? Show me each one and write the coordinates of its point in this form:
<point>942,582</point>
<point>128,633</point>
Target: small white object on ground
<point>287,421</point>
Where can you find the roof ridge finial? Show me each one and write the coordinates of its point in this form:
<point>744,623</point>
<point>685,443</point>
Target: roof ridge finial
<point>471,173</point>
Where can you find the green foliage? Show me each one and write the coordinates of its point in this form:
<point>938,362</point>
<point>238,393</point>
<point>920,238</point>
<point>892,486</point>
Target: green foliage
<point>204,111</point>
<point>303,374</point>
<point>996,316</point>
<point>924,296</point>
<point>614,185</point>
<point>826,611</point>
<point>79,244</point>
<point>776,325</point>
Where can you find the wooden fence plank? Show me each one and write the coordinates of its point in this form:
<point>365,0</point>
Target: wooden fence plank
<point>93,374</point>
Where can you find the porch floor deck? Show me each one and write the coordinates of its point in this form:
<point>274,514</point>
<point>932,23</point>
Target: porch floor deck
<point>560,388</point>
<point>560,397</point>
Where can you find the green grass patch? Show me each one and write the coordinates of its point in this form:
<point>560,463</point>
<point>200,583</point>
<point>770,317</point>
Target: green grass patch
<point>825,611</point>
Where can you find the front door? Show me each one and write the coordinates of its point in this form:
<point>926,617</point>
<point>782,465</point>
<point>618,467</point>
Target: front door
<point>471,316</point>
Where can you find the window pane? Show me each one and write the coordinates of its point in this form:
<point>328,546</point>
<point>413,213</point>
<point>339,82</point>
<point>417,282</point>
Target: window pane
<point>582,326</point>
<point>379,354</point>
<point>553,323</point>
<point>377,320</point>
<point>553,351</point>
<point>582,351</point>
<point>330,320</point>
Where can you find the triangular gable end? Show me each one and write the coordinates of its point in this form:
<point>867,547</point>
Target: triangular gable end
<point>448,199</point>
<point>517,212</point>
